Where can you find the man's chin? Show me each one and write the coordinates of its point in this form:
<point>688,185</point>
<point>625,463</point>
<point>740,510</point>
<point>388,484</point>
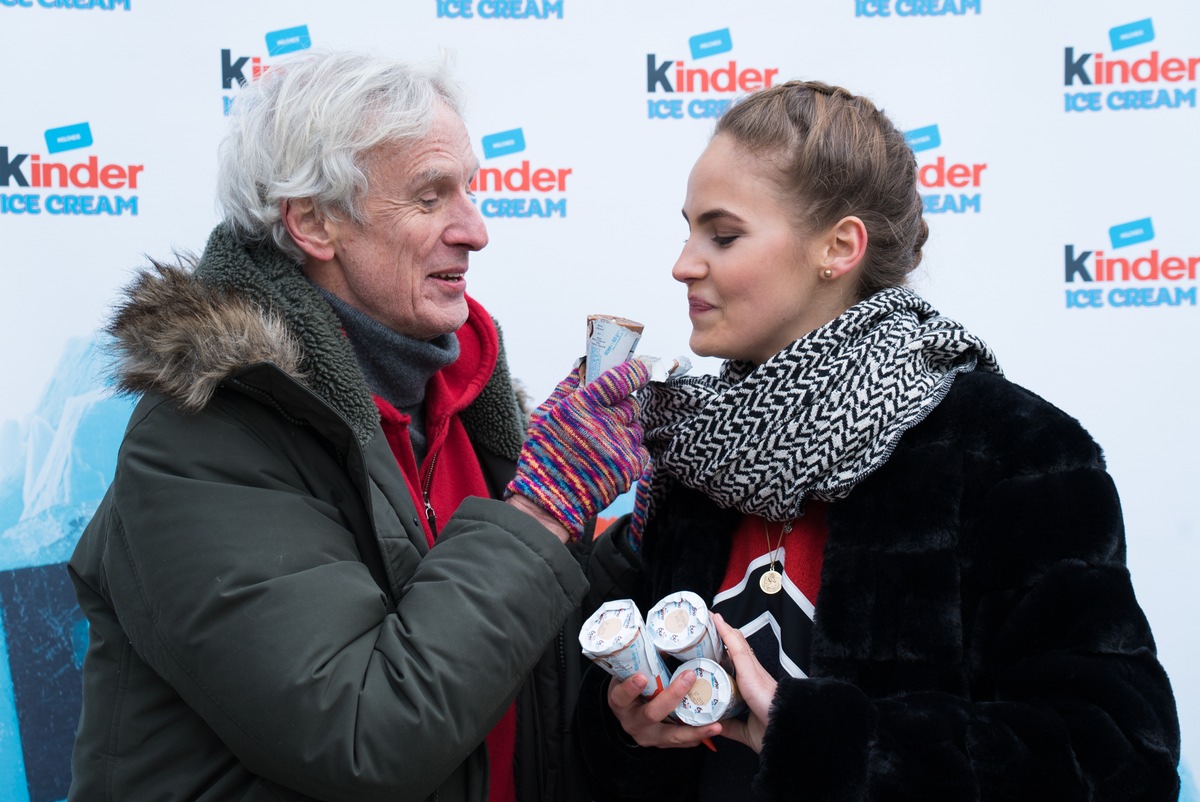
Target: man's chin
<point>447,321</point>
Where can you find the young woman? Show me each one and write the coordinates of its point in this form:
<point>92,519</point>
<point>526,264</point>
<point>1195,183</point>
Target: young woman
<point>920,566</point>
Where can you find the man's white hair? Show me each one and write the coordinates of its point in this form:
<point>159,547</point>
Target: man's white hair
<point>305,128</point>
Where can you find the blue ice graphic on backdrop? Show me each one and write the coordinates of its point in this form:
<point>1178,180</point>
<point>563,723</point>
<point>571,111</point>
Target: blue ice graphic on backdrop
<point>55,466</point>
<point>1188,791</point>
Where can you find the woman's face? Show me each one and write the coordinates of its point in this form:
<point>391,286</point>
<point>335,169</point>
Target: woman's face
<point>753,277</point>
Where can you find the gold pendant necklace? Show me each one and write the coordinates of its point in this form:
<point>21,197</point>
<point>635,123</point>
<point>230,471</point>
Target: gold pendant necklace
<point>771,582</point>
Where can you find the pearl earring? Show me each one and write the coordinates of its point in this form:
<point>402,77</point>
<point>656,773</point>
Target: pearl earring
<point>827,272</point>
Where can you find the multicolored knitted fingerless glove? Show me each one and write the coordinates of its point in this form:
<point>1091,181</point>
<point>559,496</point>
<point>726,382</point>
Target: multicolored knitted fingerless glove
<point>585,449</point>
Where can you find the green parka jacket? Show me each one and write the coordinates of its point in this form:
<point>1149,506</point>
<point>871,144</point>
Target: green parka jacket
<point>267,619</point>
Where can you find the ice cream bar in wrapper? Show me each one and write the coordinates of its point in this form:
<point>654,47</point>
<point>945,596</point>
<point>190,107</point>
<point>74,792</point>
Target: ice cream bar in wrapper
<point>714,695</point>
<point>615,639</point>
<point>664,370</point>
<point>611,340</point>
<point>681,627</point>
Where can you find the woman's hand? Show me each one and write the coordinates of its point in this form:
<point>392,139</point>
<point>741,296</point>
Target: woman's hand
<point>644,719</point>
<point>756,686</point>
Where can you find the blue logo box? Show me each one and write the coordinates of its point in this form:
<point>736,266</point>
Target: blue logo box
<point>288,40</point>
<point>503,143</point>
<point>69,137</point>
<point>711,43</point>
<point>1131,233</point>
<point>926,138</point>
<point>1134,33</point>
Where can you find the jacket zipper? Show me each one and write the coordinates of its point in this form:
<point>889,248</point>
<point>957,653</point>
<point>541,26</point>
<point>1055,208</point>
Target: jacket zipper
<point>426,484</point>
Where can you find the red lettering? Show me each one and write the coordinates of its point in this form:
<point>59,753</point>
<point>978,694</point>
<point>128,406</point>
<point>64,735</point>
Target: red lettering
<point>521,182</point>
<point>1119,264</point>
<point>1145,70</point>
<point>1150,63</point>
<point>749,79</point>
<point>83,175</point>
<point>1173,69</point>
<point>1172,268</point>
<point>48,174</point>
<point>480,182</point>
<point>517,179</point>
<point>543,180</point>
<point>1146,268</point>
<point>729,74</point>
<point>112,176</point>
<point>697,81</point>
<point>1147,265</point>
<point>90,167</point>
<point>722,79</point>
<point>937,174</point>
<point>959,175</point>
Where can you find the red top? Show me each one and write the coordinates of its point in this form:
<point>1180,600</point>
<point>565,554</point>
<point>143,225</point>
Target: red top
<point>450,473</point>
<point>778,626</point>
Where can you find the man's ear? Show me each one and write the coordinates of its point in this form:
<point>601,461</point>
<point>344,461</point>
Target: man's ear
<point>844,247</point>
<point>308,228</point>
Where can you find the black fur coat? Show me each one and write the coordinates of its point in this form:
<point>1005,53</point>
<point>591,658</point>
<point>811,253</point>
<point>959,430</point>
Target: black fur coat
<point>976,633</point>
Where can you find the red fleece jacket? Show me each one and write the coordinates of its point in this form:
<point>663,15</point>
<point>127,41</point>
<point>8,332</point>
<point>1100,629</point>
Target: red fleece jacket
<point>451,473</point>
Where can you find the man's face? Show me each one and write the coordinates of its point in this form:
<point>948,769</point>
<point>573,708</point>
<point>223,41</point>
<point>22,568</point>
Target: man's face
<point>405,265</point>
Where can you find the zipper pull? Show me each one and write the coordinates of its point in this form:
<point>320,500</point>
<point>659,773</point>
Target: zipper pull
<point>426,487</point>
<point>431,517</point>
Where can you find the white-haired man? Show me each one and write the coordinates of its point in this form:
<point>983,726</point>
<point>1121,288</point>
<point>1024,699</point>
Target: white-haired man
<point>329,561</point>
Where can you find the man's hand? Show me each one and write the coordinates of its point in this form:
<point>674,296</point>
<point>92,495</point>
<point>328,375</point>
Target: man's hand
<point>584,446</point>
<point>644,720</point>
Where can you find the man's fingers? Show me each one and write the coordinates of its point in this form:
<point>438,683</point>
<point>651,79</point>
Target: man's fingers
<point>665,703</point>
<point>624,694</point>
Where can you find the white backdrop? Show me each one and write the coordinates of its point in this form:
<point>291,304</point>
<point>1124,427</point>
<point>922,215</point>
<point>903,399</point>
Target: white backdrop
<point>1053,138</point>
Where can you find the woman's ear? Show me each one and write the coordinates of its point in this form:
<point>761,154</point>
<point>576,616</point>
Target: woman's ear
<point>308,228</point>
<point>844,247</point>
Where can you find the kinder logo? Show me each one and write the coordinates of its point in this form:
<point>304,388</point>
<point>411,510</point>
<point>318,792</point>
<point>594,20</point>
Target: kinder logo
<point>941,176</point>
<point>500,9</point>
<point>1134,75</point>
<point>242,70</point>
<point>86,5</point>
<point>675,77</point>
<point>1135,270</point>
<point>915,8</point>
<point>523,190</point>
<point>31,183</point>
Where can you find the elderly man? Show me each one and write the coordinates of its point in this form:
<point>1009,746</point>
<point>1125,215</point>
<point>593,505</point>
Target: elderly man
<point>304,582</point>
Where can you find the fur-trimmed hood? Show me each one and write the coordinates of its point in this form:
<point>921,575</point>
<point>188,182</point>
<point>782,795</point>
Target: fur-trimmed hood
<point>181,338</point>
<point>182,330</point>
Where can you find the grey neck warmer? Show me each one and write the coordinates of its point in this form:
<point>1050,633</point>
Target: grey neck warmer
<point>397,367</point>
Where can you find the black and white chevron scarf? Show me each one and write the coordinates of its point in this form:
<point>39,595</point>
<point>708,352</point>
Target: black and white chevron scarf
<point>813,420</point>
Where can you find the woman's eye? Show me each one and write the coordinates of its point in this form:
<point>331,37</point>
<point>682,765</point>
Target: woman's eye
<point>724,241</point>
